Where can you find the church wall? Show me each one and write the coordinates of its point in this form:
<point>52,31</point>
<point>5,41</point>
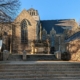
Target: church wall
<point>31,29</point>
<point>58,46</point>
<point>17,45</point>
<point>14,35</point>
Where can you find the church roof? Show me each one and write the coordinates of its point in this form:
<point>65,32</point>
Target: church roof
<point>56,24</point>
<point>49,24</point>
<point>74,37</point>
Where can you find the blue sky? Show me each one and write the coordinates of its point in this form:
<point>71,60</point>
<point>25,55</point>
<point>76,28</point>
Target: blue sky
<point>54,9</point>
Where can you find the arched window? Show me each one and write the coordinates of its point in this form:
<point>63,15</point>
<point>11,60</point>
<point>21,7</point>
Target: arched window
<point>24,33</point>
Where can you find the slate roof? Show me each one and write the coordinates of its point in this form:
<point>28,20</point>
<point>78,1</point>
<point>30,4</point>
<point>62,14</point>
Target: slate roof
<point>49,24</point>
<point>74,37</point>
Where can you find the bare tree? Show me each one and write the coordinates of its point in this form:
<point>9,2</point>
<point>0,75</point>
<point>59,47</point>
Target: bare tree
<point>8,9</point>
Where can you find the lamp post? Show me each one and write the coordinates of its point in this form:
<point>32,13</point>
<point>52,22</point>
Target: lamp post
<point>59,35</point>
<point>0,45</point>
<point>59,42</point>
<point>0,49</point>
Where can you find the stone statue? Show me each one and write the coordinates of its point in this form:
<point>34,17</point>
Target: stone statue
<point>32,47</point>
<point>48,43</point>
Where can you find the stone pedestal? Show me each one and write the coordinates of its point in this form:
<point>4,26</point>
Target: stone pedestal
<point>32,50</point>
<point>24,55</point>
<point>48,50</point>
<point>36,50</point>
<point>48,46</point>
<point>58,55</point>
<point>5,55</point>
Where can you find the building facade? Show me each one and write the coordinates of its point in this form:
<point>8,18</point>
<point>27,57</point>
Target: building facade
<point>18,35</point>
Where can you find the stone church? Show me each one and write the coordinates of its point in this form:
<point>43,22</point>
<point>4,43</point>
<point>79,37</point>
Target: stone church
<point>28,32</point>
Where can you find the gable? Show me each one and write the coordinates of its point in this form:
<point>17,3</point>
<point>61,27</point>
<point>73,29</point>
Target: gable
<point>24,15</point>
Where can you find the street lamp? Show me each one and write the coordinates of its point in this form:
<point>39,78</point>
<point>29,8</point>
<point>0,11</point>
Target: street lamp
<point>59,35</point>
<point>0,45</point>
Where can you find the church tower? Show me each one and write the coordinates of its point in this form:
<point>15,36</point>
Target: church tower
<point>34,14</point>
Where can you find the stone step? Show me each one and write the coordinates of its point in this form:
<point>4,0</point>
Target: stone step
<point>39,76</point>
<point>49,71</point>
<point>32,57</point>
<point>40,57</point>
<point>24,70</point>
<point>42,72</point>
<point>34,70</point>
<point>11,67</point>
<point>39,73</point>
<point>4,66</point>
<point>37,65</point>
<point>51,66</point>
<point>40,68</point>
<point>43,79</point>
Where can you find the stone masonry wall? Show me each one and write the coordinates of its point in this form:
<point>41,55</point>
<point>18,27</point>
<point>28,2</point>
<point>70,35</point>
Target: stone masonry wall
<point>17,45</point>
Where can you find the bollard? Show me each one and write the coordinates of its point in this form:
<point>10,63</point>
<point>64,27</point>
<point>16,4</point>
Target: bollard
<point>24,55</point>
<point>58,55</point>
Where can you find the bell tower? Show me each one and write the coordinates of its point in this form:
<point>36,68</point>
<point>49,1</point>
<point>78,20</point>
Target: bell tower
<point>34,14</point>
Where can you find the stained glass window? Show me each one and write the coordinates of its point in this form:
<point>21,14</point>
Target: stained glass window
<point>24,34</point>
